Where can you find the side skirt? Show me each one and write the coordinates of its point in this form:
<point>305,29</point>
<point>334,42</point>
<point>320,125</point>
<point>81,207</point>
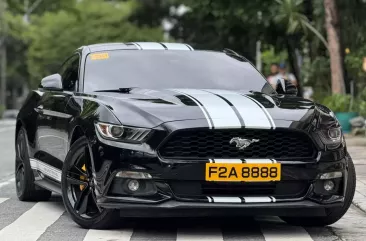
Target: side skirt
<point>46,176</point>
<point>49,185</point>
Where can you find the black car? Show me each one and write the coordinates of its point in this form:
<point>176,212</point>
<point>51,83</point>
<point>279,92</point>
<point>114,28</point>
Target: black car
<point>158,129</point>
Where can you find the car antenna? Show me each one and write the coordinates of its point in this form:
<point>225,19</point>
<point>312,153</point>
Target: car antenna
<point>232,52</point>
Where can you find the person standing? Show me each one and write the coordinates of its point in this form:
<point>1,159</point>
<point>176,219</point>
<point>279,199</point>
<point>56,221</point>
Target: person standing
<point>283,74</point>
<point>273,77</point>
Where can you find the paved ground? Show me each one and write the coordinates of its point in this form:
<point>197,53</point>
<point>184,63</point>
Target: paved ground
<point>45,221</point>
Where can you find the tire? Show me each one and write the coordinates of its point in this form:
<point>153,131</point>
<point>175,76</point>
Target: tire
<point>24,179</point>
<point>332,214</point>
<point>76,186</point>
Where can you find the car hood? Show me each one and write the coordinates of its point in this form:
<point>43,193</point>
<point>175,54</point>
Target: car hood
<point>218,108</point>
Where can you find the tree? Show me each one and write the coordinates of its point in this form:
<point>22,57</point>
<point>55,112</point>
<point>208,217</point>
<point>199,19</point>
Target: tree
<point>333,35</point>
<point>290,14</point>
<point>54,36</point>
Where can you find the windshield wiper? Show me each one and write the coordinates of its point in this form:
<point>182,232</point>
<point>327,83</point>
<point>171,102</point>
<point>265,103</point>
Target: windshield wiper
<point>125,90</point>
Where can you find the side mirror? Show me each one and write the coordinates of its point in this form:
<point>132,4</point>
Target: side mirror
<point>286,87</point>
<point>52,82</point>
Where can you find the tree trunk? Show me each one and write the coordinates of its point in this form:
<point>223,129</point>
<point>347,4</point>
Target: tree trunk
<point>290,45</point>
<point>336,66</point>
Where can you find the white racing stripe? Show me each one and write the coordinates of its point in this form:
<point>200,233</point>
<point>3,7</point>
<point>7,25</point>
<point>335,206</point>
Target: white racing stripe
<point>108,235</point>
<point>226,199</point>
<point>33,223</point>
<point>177,46</point>
<point>227,161</point>
<point>199,234</point>
<point>265,110</point>
<point>254,161</point>
<point>199,105</point>
<point>284,233</point>
<point>220,112</point>
<point>149,45</point>
<point>252,115</point>
<point>46,169</point>
<point>257,199</point>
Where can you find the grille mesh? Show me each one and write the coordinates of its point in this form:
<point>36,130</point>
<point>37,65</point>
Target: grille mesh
<point>211,143</point>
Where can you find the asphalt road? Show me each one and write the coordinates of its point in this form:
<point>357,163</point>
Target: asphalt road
<point>44,221</point>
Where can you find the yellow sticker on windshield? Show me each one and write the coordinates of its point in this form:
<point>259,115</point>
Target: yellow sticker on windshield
<point>99,56</point>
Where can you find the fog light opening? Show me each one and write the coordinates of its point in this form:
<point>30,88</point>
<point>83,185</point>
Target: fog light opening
<point>133,185</point>
<point>134,175</point>
<point>329,185</point>
<point>331,175</point>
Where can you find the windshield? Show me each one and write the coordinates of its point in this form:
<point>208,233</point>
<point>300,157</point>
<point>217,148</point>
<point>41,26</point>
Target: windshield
<point>154,69</point>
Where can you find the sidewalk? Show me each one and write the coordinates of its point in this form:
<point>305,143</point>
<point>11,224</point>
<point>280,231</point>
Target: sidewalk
<point>357,149</point>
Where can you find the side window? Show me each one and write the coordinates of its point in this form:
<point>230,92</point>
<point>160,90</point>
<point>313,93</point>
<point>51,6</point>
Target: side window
<point>70,73</point>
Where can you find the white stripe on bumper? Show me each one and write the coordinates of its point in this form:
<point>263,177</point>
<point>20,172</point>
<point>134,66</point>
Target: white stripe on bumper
<point>260,161</point>
<point>226,199</point>
<point>268,199</point>
<point>227,161</point>
<point>257,199</point>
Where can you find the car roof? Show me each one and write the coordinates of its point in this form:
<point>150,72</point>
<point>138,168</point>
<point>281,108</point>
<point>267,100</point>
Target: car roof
<point>137,46</point>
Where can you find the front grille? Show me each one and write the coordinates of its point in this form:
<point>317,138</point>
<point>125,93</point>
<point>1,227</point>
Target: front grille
<point>211,144</point>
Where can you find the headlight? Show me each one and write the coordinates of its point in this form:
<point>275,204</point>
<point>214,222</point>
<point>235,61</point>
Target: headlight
<point>122,133</point>
<point>332,137</point>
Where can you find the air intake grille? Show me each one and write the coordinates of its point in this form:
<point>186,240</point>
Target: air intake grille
<point>211,144</point>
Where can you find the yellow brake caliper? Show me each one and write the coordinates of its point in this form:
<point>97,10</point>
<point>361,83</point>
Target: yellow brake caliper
<point>82,177</point>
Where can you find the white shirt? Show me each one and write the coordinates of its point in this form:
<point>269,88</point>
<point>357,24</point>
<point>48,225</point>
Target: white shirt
<point>288,76</point>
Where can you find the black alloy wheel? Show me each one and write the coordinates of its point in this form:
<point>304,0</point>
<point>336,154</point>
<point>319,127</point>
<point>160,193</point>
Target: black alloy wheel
<point>24,178</point>
<point>79,191</point>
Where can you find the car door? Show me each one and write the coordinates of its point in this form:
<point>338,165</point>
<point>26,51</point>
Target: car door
<point>53,118</point>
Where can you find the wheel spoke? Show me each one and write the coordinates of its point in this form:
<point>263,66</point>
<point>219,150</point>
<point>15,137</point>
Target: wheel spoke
<point>95,200</point>
<point>20,148</point>
<point>80,172</point>
<point>82,202</point>
<point>74,181</point>
<point>87,160</point>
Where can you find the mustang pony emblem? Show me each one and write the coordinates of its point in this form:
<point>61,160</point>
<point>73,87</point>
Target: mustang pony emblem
<point>242,143</point>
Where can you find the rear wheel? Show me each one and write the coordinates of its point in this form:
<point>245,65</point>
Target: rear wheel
<point>332,214</point>
<point>24,178</point>
<point>79,192</point>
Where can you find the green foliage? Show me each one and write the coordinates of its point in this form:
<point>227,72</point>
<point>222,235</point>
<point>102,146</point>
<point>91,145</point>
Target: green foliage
<point>55,35</point>
<point>346,103</point>
<point>362,103</point>
<point>2,108</point>
<point>290,14</point>
<point>269,56</point>
<point>340,103</point>
<point>17,73</point>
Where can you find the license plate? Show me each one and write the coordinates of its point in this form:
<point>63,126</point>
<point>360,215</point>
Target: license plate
<point>243,172</point>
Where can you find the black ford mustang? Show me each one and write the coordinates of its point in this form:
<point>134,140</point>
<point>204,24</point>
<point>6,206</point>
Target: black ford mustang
<point>158,129</point>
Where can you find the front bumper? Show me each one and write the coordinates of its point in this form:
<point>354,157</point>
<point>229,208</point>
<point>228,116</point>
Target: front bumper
<point>180,192</point>
<point>173,208</point>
